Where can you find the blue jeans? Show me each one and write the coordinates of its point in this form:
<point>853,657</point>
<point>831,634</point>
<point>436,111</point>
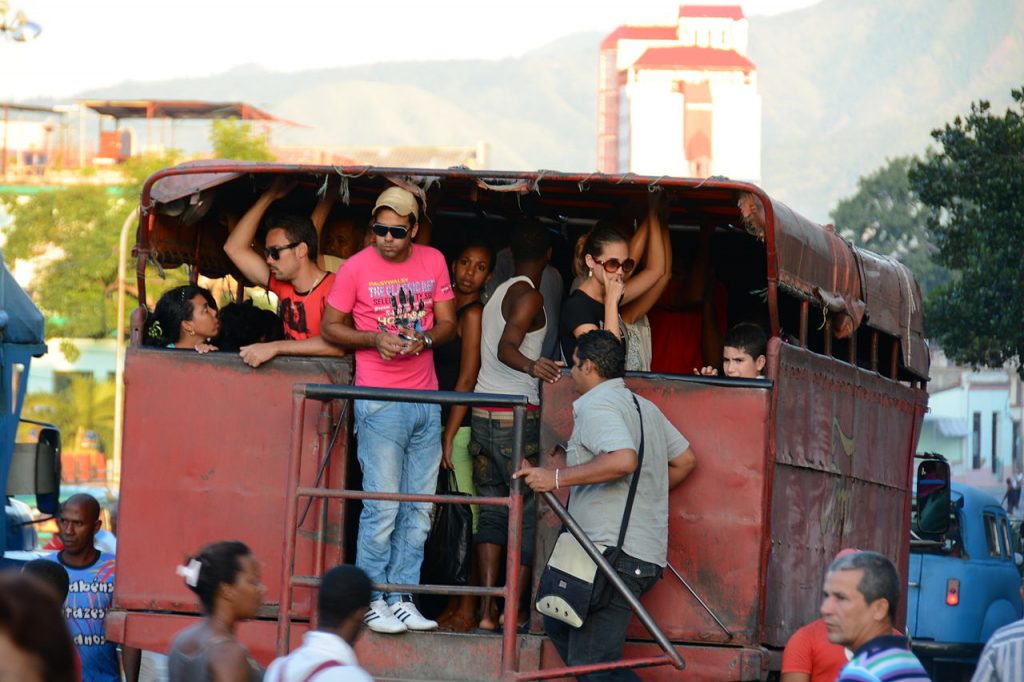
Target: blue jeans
<point>603,634</point>
<point>399,450</point>
<point>491,449</point>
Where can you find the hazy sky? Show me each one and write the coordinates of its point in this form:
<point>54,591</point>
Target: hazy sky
<point>92,43</point>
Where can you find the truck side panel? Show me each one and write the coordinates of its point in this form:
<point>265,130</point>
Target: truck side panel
<point>844,443</point>
<point>206,451</point>
<point>716,517</point>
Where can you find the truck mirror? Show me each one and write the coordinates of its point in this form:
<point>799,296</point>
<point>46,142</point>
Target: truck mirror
<point>35,469</point>
<point>933,496</point>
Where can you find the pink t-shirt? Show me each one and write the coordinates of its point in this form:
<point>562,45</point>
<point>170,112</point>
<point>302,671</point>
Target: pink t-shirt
<point>383,295</point>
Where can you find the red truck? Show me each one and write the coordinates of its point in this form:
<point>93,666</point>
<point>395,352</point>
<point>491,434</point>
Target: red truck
<point>815,457</point>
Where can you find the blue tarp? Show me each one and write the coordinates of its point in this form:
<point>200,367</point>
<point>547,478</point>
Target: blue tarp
<point>20,320</point>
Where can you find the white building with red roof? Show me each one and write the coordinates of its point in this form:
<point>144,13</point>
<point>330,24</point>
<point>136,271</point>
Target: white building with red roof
<point>680,100</point>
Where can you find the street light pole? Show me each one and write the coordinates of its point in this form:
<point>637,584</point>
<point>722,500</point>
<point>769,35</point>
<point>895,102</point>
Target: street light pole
<point>115,478</point>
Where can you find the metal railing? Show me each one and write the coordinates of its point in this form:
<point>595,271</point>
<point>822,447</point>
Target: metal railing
<point>512,589</point>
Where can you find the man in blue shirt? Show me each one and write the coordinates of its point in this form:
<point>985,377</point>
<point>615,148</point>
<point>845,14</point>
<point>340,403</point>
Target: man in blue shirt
<point>90,591</point>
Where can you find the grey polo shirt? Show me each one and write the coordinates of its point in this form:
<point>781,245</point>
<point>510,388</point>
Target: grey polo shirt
<point>606,420</point>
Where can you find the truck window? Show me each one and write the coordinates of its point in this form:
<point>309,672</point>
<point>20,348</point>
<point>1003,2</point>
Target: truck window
<point>1004,526</point>
<point>992,536</point>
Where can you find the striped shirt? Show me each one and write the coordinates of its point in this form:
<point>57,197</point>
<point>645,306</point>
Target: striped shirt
<point>884,659</point>
<point>1003,657</point>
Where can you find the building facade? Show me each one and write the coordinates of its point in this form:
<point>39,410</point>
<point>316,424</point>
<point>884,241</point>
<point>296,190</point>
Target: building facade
<point>680,100</point>
<point>974,420</point>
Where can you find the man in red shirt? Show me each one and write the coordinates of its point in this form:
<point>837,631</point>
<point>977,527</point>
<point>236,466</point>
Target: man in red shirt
<point>809,656</point>
<point>288,267</point>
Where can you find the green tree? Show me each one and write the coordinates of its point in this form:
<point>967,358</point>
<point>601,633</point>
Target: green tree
<point>78,227</point>
<point>83,403</point>
<point>234,139</point>
<point>974,186</point>
<point>886,216</point>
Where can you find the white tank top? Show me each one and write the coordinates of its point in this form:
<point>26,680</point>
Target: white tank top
<point>495,376</point>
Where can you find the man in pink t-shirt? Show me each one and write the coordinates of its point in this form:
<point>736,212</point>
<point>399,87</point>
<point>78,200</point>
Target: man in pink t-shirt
<point>391,304</point>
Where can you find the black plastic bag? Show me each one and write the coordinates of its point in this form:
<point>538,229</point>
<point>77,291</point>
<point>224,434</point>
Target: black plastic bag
<point>448,550</point>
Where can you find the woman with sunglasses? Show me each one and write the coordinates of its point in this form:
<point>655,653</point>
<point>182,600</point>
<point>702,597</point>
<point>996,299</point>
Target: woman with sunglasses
<point>610,284</point>
<point>185,317</point>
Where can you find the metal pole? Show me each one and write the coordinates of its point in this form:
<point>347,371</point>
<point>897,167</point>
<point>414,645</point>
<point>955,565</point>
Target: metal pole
<point>513,557</point>
<point>613,577</point>
<point>7,121</point>
<point>81,136</point>
<point>699,600</point>
<point>284,613</point>
<point>119,339</point>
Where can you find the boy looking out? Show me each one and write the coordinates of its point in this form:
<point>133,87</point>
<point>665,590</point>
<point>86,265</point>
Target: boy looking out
<point>743,353</point>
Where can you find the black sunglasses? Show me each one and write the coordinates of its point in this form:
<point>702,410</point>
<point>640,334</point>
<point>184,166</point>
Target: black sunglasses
<point>274,252</point>
<point>612,264</point>
<point>397,231</point>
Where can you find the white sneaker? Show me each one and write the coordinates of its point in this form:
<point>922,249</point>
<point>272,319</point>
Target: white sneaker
<point>379,618</point>
<point>411,617</point>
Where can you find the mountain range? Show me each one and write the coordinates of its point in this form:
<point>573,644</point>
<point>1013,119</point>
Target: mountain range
<point>845,85</point>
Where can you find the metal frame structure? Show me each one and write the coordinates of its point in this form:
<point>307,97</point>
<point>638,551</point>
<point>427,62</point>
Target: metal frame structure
<point>511,592</point>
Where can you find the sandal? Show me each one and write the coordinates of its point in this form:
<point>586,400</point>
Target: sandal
<point>457,622</point>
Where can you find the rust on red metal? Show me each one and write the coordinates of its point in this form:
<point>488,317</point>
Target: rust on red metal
<point>717,522</point>
<point>206,447</point>
<point>843,438</point>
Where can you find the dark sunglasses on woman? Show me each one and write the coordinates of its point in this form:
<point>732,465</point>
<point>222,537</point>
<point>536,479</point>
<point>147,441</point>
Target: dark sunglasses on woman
<point>610,265</point>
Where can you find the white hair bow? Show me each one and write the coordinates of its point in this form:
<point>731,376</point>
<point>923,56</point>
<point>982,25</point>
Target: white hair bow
<point>190,573</point>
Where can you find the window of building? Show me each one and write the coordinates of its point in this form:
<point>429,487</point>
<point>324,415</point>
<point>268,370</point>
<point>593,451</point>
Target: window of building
<point>995,442</point>
<point>976,442</point>
<point>1015,447</point>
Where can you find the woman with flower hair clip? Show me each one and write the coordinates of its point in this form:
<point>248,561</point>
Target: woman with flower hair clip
<point>184,317</point>
<point>226,577</point>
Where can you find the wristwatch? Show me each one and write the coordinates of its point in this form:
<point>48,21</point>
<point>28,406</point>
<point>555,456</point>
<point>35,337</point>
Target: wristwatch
<point>427,341</point>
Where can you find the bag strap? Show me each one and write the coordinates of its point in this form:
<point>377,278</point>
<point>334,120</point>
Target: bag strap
<point>633,483</point>
<point>316,671</point>
<point>322,667</point>
<point>447,483</point>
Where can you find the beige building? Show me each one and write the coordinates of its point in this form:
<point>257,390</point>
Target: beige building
<point>681,100</point>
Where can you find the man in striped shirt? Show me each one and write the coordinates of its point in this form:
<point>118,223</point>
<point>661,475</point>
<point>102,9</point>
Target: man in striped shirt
<point>1003,657</point>
<point>861,594</point>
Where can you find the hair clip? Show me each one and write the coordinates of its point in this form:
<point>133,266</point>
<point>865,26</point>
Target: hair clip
<point>155,330</point>
<point>190,573</point>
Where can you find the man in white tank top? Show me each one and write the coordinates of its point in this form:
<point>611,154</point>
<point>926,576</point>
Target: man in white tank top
<point>513,330</point>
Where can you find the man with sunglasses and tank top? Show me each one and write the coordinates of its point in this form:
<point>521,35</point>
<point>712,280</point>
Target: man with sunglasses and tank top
<point>392,304</point>
<point>287,267</point>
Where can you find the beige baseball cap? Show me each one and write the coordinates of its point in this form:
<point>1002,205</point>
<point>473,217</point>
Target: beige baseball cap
<point>399,200</point>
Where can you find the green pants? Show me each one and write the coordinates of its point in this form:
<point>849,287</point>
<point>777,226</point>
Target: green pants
<point>463,464</point>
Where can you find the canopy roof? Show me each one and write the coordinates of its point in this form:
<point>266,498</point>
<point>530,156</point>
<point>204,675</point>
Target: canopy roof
<point>808,260</point>
<point>179,109</point>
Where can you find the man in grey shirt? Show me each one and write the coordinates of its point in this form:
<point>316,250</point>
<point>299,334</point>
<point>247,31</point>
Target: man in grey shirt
<point>601,458</point>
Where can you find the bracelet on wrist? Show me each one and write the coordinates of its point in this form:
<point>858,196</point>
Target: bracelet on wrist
<point>556,478</point>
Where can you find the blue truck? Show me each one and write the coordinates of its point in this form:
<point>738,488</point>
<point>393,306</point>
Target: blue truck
<point>963,582</point>
<point>31,468</point>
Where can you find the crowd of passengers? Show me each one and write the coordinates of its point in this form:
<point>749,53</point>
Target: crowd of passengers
<point>487,322</point>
